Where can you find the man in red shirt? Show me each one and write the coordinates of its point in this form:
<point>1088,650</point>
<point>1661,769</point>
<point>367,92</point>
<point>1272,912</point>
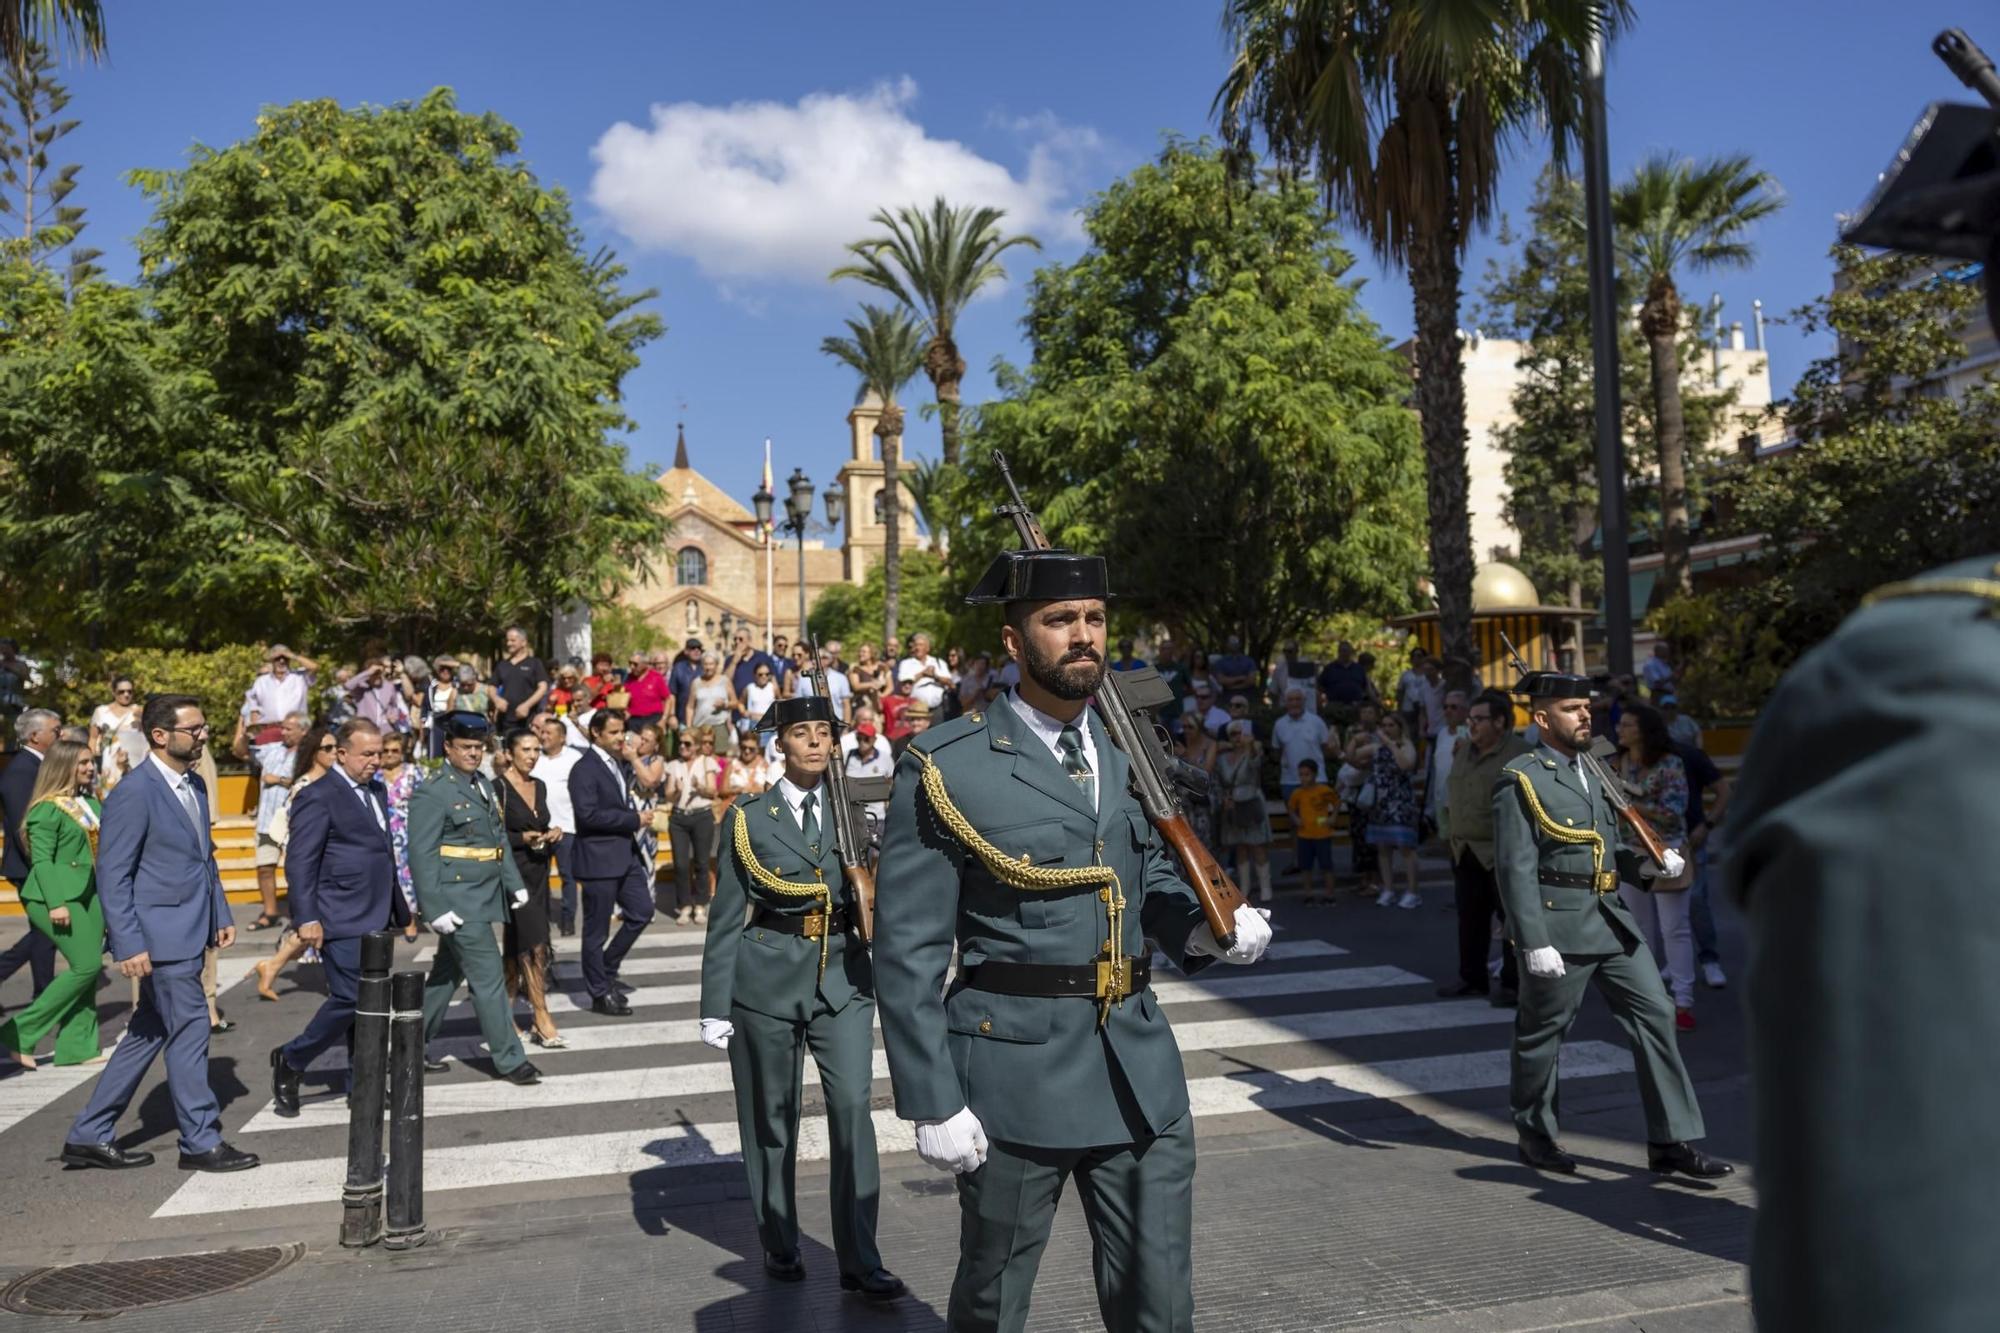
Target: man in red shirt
<point>893,706</point>
<point>648,689</point>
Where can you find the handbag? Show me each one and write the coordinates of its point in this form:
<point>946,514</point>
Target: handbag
<point>1364,800</point>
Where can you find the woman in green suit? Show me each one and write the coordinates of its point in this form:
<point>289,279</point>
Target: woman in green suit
<point>60,896</point>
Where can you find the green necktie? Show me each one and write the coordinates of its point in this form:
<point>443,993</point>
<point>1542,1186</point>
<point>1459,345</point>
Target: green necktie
<point>1070,746</point>
<point>810,822</point>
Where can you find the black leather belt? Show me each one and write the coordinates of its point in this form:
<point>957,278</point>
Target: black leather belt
<point>1566,879</point>
<point>1092,981</point>
<point>810,924</point>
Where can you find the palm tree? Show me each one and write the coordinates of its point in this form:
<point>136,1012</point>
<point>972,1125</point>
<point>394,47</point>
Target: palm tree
<point>1405,112</point>
<point>1676,212</point>
<point>934,263</point>
<point>23,22</point>
<point>887,350</point>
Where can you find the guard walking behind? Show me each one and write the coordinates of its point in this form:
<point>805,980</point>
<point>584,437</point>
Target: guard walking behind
<point>1011,833</point>
<point>794,976</point>
<point>1557,859</point>
<point>465,882</point>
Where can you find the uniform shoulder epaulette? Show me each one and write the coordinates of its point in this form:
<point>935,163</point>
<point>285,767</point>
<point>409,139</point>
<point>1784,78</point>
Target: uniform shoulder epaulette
<point>936,738</point>
<point>1523,763</point>
<point>1985,589</point>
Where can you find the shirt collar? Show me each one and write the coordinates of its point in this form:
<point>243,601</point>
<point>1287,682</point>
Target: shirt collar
<point>795,797</point>
<point>1048,729</point>
<point>173,779</point>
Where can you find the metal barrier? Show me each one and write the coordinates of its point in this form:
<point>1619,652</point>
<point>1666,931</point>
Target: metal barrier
<point>368,1058</point>
<point>405,1229</point>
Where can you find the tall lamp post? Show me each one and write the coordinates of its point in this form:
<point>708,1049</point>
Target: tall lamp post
<point>1611,517</point>
<point>798,515</point>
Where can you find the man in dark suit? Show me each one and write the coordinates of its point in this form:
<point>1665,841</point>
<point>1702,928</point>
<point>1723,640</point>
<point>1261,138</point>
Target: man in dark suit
<point>340,868</point>
<point>36,729</point>
<point>163,905</point>
<point>608,860</point>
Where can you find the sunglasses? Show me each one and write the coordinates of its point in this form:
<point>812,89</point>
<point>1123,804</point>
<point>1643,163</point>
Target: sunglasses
<point>327,748</point>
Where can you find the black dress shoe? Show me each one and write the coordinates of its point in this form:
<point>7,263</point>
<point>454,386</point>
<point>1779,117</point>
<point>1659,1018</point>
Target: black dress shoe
<point>524,1074</point>
<point>220,1026</point>
<point>1544,1155</point>
<point>880,1285</point>
<point>610,1004</point>
<point>438,1066</point>
<point>284,1085</point>
<point>785,1267</point>
<point>107,1155</point>
<point>221,1157</point>
<point>1685,1159</point>
<point>1460,991</point>
<point>1506,997</point>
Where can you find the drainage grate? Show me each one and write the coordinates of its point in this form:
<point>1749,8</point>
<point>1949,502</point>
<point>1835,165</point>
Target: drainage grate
<point>137,1284</point>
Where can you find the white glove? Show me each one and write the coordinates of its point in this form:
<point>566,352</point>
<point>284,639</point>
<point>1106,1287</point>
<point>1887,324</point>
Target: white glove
<point>1544,962</point>
<point>1667,869</point>
<point>1253,936</point>
<point>956,1145</point>
<point>447,923</point>
<point>520,897</point>
<point>716,1032</point>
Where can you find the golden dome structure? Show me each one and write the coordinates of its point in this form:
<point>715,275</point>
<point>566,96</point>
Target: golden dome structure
<point>1501,587</point>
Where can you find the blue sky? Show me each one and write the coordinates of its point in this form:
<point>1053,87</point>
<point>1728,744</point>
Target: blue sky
<point>725,150</point>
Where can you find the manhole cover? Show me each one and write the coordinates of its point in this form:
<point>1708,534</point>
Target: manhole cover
<point>137,1284</point>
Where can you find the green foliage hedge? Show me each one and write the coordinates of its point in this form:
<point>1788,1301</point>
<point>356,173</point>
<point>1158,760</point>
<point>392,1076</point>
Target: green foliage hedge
<point>82,681</point>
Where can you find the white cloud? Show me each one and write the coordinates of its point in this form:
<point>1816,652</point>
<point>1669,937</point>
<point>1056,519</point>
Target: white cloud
<point>765,190</point>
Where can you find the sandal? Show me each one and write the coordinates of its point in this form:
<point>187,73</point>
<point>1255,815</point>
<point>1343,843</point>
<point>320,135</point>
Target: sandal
<point>265,921</point>
<point>551,1043</point>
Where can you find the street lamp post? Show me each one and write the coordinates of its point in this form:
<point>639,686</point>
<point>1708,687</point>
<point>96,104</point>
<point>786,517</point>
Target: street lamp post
<point>798,515</point>
<point>1604,365</point>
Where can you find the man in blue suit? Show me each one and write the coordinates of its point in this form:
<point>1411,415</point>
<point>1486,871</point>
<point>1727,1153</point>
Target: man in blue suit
<point>340,868</point>
<point>607,859</point>
<point>163,905</point>
<point>36,729</point>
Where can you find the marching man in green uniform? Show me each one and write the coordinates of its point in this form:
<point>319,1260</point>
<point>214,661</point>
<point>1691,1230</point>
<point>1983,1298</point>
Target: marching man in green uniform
<point>1011,833</point>
<point>793,976</point>
<point>1557,860</point>
<point>465,881</point>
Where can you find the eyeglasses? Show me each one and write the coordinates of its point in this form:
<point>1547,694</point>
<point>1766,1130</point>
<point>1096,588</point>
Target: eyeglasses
<point>199,729</point>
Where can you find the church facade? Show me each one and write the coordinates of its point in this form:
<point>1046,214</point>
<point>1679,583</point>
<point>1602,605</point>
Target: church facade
<point>721,572</point>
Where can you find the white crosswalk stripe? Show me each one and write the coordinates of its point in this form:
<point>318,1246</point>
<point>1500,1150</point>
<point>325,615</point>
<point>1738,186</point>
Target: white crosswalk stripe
<point>1310,1029</point>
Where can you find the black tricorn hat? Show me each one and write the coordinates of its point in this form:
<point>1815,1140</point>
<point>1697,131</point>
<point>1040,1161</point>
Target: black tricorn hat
<point>1941,193</point>
<point>1553,685</point>
<point>461,725</point>
<point>1042,576</point>
<point>804,708</point>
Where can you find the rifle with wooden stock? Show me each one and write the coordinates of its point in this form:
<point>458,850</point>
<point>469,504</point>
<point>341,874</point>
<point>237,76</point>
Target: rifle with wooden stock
<point>847,837</point>
<point>1126,702</point>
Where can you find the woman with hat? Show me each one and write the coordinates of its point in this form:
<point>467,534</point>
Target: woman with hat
<point>796,976</point>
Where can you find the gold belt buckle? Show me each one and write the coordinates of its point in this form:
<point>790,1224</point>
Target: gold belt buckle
<point>1607,881</point>
<point>1114,978</point>
<point>815,925</point>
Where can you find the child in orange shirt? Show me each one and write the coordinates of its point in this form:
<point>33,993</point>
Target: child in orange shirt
<point>1313,806</point>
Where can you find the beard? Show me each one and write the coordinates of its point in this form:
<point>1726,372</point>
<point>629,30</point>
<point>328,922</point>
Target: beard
<point>1074,676</point>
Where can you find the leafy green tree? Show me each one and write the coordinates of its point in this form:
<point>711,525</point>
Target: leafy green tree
<point>935,263</point>
<point>886,350</point>
<point>411,374</point>
<point>1540,295</point>
<point>1209,407</point>
<point>31,190</point>
<point>1405,112</point>
<point>1891,476</point>
<point>928,599</point>
<point>1678,214</point>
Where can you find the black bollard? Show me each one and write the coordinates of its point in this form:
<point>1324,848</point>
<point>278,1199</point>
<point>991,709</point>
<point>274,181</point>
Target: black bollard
<point>406,1112</point>
<point>367,1083</point>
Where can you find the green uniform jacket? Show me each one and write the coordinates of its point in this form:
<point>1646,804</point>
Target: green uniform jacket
<point>61,869</point>
<point>1036,1071</point>
<point>449,811</point>
<point>1543,820</point>
<point>770,971</point>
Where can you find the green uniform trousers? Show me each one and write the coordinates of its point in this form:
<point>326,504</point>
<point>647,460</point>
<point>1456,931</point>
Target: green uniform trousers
<point>69,1003</point>
<point>767,1064</point>
<point>1631,985</point>
<point>1138,1199</point>
<point>472,954</point>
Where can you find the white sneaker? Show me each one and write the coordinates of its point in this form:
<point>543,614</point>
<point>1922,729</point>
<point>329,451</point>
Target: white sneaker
<point>1385,898</point>
<point>1409,900</point>
<point>1711,976</point>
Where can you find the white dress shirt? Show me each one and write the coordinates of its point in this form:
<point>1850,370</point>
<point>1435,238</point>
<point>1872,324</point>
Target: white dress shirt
<point>1048,730</point>
<point>795,799</point>
<point>366,797</point>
